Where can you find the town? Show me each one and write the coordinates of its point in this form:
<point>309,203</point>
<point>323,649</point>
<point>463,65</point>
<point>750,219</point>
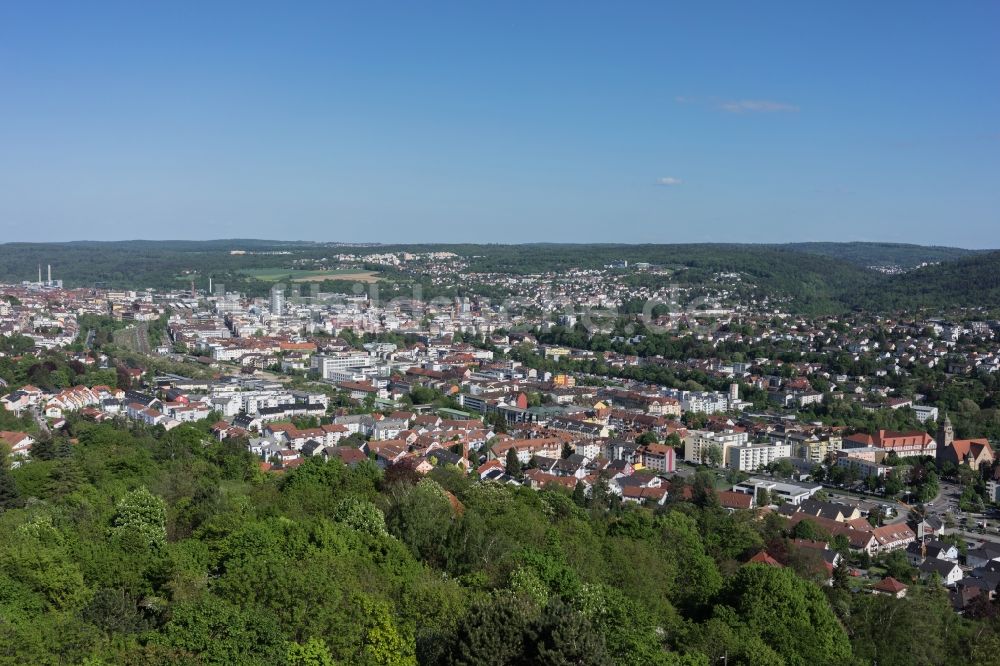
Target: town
<point>497,334</point>
<point>832,430</point>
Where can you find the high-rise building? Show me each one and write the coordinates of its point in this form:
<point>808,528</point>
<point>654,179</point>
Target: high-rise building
<point>277,301</point>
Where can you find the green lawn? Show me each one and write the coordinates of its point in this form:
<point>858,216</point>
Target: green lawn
<point>278,274</point>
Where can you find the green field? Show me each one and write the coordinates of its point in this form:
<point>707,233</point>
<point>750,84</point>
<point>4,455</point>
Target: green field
<point>297,275</point>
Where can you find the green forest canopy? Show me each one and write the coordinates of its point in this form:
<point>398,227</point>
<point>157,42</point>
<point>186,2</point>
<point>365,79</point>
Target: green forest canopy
<point>145,546</point>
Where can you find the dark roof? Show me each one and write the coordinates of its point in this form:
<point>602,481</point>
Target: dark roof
<point>446,456</point>
<point>825,509</point>
<point>963,596</point>
<point>830,556</point>
<point>941,567</point>
<point>311,447</point>
<point>635,480</point>
<point>570,464</point>
<point>244,421</point>
<point>544,463</point>
<point>989,584</point>
<point>935,547</point>
<point>934,522</point>
<point>143,399</point>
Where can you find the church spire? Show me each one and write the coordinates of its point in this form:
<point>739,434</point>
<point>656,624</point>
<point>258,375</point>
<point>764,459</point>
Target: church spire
<point>945,436</point>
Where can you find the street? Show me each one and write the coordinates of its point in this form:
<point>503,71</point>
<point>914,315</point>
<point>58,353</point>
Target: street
<point>43,426</point>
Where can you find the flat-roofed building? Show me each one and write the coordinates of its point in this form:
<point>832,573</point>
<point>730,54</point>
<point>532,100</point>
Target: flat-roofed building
<point>793,493</point>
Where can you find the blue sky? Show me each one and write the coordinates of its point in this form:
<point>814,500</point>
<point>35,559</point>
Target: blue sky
<point>501,122</point>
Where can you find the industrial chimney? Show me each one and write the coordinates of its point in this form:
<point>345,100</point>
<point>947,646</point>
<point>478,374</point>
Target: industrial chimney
<point>50,273</point>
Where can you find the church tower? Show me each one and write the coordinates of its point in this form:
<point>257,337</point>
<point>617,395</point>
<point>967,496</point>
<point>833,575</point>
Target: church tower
<point>945,438</point>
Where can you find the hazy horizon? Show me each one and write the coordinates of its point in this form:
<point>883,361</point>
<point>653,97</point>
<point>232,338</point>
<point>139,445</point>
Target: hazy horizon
<point>360,243</point>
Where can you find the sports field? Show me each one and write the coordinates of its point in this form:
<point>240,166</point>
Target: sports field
<point>296,275</point>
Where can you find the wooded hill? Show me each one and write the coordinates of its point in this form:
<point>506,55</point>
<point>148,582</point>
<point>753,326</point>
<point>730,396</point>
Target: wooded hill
<point>813,278</point>
<point>138,546</point>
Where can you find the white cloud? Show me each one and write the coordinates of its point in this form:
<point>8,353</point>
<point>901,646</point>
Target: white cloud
<point>757,106</point>
<point>669,181</point>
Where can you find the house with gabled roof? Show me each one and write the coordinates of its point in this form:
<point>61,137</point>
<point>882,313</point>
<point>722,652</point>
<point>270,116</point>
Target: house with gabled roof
<point>763,557</point>
<point>893,537</point>
<point>311,447</point>
<point>247,422</point>
<point>891,587</point>
<point>983,555</point>
<point>949,572</point>
<point>348,455</point>
<point>486,468</point>
<point>16,401</point>
<point>733,501</point>
<point>918,551</point>
<point>18,442</point>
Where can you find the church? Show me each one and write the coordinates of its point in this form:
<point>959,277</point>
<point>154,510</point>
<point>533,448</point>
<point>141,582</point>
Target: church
<point>973,452</point>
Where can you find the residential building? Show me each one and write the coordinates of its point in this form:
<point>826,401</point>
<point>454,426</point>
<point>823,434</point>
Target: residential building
<point>658,457</point>
<point>752,457</point>
<point>698,443</point>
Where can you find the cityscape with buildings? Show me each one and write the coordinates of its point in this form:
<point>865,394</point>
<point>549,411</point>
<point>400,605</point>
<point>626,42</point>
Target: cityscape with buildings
<point>499,334</point>
<point>837,434</point>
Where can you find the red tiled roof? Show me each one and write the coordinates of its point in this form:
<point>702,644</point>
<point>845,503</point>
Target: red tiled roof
<point>763,557</point>
<point>890,585</point>
<point>733,500</point>
<point>964,447</point>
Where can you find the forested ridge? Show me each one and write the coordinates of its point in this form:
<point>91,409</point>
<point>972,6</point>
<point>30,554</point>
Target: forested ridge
<point>904,255</point>
<point>972,281</point>
<point>814,278</point>
<point>129,545</point>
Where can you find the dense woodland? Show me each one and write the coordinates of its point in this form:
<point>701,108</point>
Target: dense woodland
<point>902,255</point>
<point>130,545</point>
<point>805,277</point>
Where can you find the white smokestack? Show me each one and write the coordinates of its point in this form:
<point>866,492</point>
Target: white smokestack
<point>50,273</point>
<point>39,273</point>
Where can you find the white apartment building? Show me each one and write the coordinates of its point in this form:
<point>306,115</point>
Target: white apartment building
<point>698,442</point>
<point>752,457</point>
<point>808,446</point>
<point>925,412</point>
<point>328,364</point>
<point>703,402</point>
<point>351,374</point>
